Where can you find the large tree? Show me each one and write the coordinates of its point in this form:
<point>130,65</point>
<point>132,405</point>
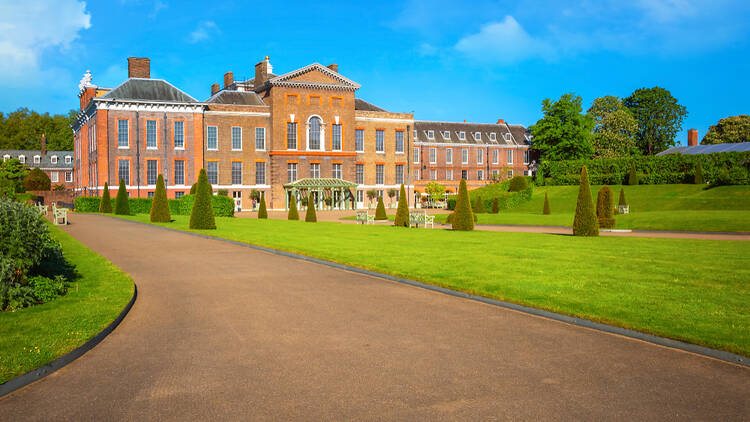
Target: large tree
<point>659,118</point>
<point>614,128</point>
<point>729,130</point>
<point>23,129</point>
<point>564,133</point>
<point>13,173</point>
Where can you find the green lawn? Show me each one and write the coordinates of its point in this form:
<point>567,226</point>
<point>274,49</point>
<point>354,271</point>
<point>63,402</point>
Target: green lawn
<point>693,290</point>
<point>35,336</point>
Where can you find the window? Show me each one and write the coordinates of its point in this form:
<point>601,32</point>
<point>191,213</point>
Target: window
<point>179,172</point>
<point>236,172</point>
<point>493,136</point>
<point>150,194</point>
<point>123,136</point>
<point>465,174</point>
<point>399,174</point>
<point>313,100</point>
<point>495,156</point>
<point>360,196</point>
<point>449,156</point>
<point>291,172</point>
<point>22,159</point>
<point>212,138</point>
<point>446,134</point>
<point>314,133</point>
<point>480,156</point>
<point>54,177</point>
<point>123,171</point>
<point>416,155</point>
<point>433,174</point>
<point>359,140</point>
<point>260,173</point>
<point>480,174</point>
<point>380,140</point>
<point>507,136</point>
<point>315,170</point>
<point>151,172</point>
<point>360,173</point>
<point>477,136</point>
<point>495,174</point>
<point>37,159</point>
<point>462,135</point>
<point>260,138</point>
<point>179,134</point>
<point>433,155</point>
<point>465,156</point>
<point>236,138</point>
<point>449,175</point>
<point>291,136</point>
<point>526,156</point>
<point>336,137</point>
<point>510,174</point>
<point>53,159</point>
<point>430,134</point>
<point>178,195</point>
<point>212,171</point>
<point>68,176</point>
<point>399,142</point>
<point>416,174</point>
<point>510,156</point>
<point>337,170</point>
<point>150,134</point>
<point>379,176</point>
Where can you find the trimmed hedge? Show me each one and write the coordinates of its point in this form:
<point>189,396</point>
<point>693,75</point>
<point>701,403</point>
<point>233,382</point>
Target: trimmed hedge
<point>463,217</point>
<point>402,213</point>
<point>106,205</point>
<point>518,183</point>
<point>223,205</point>
<point>479,207</point>
<point>202,214</point>
<point>585,222</point>
<point>262,211</point>
<point>605,208</point>
<point>380,210</point>
<point>122,204</point>
<point>546,209</point>
<point>293,214</point>
<point>159,212</point>
<point>310,215</point>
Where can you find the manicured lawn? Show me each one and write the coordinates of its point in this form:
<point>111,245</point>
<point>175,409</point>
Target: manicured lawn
<point>693,290</point>
<point>34,336</point>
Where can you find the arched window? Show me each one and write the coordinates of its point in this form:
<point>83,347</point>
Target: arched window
<point>313,127</point>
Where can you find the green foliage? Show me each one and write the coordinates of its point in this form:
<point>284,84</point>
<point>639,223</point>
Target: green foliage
<point>402,213</point>
<point>159,212</point>
<point>223,206</point>
<point>495,206</point>
<point>632,175</point>
<point>605,208</point>
<point>478,207</point>
<point>293,213</point>
<point>463,217</point>
<point>518,183</point>
<point>255,194</point>
<point>584,223</point>
<point>12,175</point>
<point>262,212</point>
<point>105,206</point>
<point>730,176</point>
<point>371,194</point>
<point>25,197</point>
<point>46,289</point>
<point>729,130</point>
<point>7,188</point>
<point>435,190</point>
<point>622,200</point>
<point>699,180</point>
<point>563,133</point>
<point>539,178</point>
<point>23,129</point>
<point>546,210</point>
<point>202,214</point>
<point>222,192</point>
<point>37,180</point>
<point>310,215</point>
<point>194,188</point>
<point>614,128</point>
<point>380,210</point>
<point>451,204</point>
<point>659,118</point>
<point>122,205</point>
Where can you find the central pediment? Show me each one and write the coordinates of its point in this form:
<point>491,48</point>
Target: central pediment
<point>314,76</point>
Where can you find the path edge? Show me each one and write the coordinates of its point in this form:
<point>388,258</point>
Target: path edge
<point>44,370</point>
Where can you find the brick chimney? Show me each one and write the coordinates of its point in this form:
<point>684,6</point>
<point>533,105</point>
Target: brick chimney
<point>261,73</point>
<point>692,137</point>
<point>44,145</point>
<point>139,67</point>
<point>500,121</point>
<point>214,89</point>
<point>334,67</point>
<point>228,79</point>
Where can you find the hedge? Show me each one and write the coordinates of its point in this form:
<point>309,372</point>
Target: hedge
<point>652,170</point>
<point>223,205</point>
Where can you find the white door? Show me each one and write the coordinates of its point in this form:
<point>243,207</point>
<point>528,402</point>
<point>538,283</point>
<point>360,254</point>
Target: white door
<point>237,195</point>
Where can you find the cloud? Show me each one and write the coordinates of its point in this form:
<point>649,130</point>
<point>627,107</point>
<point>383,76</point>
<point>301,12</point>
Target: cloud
<point>203,32</point>
<point>158,5</point>
<point>504,42</point>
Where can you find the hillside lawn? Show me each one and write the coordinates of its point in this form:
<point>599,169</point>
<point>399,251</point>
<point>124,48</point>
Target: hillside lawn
<point>692,290</point>
<point>34,336</point>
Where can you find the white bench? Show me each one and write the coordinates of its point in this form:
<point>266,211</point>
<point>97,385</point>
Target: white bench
<point>42,209</point>
<point>420,217</point>
<point>60,213</point>
<point>364,218</point>
<point>623,209</point>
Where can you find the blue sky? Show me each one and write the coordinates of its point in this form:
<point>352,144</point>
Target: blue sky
<point>444,60</point>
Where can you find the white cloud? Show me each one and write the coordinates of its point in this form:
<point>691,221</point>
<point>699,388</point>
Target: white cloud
<point>158,5</point>
<point>203,32</point>
<point>504,42</point>
<point>666,10</point>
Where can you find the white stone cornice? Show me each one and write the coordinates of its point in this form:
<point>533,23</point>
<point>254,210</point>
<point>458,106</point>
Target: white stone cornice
<point>455,144</point>
<point>149,107</point>
<point>383,119</point>
<point>237,113</point>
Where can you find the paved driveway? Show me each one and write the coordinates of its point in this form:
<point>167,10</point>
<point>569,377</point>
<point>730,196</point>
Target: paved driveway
<point>224,332</point>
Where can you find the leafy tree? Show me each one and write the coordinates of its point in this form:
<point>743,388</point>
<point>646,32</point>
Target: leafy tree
<point>122,206</point>
<point>262,211</point>
<point>463,217</point>
<point>7,189</point>
<point>160,205</point>
<point>518,184</point>
<point>659,118</point>
<point>605,208</point>
<point>14,173</point>
<point>202,214</point>
<point>23,129</point>
<point>729,130</point>
<point>293,213</point>
<point>546,210</point>
<point>105,206</point>
<point>563,133</point>
<point>585,223</point>
<point>380,210</point>
<point>402,213</point>
<point>614,128</point>
<point>391,195</point>
<point>622,200</point>
<point>478,207</point>
<point>310,216</point>
<point>699,180</point>
<point>37,180</point>
<point>435,190</point>
<point>371,194</point>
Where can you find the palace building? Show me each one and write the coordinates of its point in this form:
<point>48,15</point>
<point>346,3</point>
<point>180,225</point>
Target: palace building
<point>277,133</point>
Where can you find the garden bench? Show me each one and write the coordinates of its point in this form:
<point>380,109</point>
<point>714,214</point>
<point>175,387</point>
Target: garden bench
<point>42,209</point>
<point>623,209</point>
<point>420,217</point>
<point>365,218</point>
<point>61,213</point>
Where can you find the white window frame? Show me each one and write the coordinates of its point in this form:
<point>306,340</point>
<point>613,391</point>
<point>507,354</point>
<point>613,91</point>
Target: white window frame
<point>399,174</point>
<point>262,131</point>
<point>174,135</point>
<point>509,157</point>
<point>53,159</point>
<point>446,135</point>
<point>22,159</point>
<point>232,173</point>
<point>156,134</point>
<point>462,135</point>
<point>495,156</point>
<point>510,174</point>
<point>322,134</point>
<point>430,134</point>
<point>156,171</point>
<point>382,174</point>
<point>295,125</point>
<point>416,155</point>
<point>449,156</point>
<point>184,170</point>
<point>54,177</point>
<point>292,170</point>
<point>333,137</point>
<point>480,174</point>
<point>37,159</point>
<point>526,156</point>
<point>315,174</point>
<point>359,141</point>
<point>403,143</point>
<point>68,179</point>
<point>127,135</point>
<point>477,136</point>
<point>507,136</point>
<point>6,157</point>
<point>464,155</point>
<point>258,180</point>
<point>493,136</point>
<point>416,174</point>
<point>216,133</point>
<point>356,174</point>
<point>433,155</point>
<point>449,174</point>
<point>231,134</point>
<point>382,150</point>
<point>480,156</point>
<point>127,182</point>
<point>217,172</point>
<point>340,172</point>
<point>433,174</point>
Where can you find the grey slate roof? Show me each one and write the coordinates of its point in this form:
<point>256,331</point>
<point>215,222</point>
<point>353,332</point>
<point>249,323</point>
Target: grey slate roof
<point>45,160</point>
<point>708,149</point>
<point>360,104</point>
<point>148,90</point>
<point>505,135</point>
<point>237,98</point>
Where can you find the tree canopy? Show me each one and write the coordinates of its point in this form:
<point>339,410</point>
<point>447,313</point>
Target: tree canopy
<point>564,133</point>
<point>659,118</point>
<point>729,130</point>
<point>614,128</point>
<point>23,129</point>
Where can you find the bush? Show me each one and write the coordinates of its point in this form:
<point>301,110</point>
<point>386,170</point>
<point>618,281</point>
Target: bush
<point>402,213</point>
<point>605,208</point>
<point>495,206</point>
<point>37,180</point>
<point>546,210</point>
<point>223,206</point>
<point>584,223</point>
<point>451,203</point>
<point>159,212</point>
<point>202,214</point>
<point>262,211</point>
<point>463,217</point>
<point>698,179</point>
<point>105,206</point>
<point>478,207</point>
<point>222,192</point>
<point>24,197</point>
<point>730,176</point>
<point>622,200</point>
<point>122,205</point>
<point>293,213</point>
<point>632,175</point>
<point>518,183</point>
<point>310,215</point>
<point>380,210</point>
<point>46,289</point>
<point>539,178</point>
<point>194,188</point>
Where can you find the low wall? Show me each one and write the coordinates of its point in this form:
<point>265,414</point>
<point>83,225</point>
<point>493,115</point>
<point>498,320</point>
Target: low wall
<point>60,197</point>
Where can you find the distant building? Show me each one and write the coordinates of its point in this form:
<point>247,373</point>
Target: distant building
<point>693,147</point>
<point>58,165</point>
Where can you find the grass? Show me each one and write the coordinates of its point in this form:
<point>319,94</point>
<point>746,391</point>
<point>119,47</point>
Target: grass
<point>34,336</point>
<point>692,290</point>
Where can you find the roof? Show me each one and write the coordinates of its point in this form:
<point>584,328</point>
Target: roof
<point>320,183</point>
<point>148,90</point>
<point>45,160</point>
<point>360,104</point>
<point>708,149</point>
<point>287,79</point>
<point>236,98</point>
<point>448,133</point>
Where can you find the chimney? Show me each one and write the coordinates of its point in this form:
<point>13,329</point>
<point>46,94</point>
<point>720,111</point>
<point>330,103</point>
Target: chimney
<point>261,73</point>
<point>692,137</point>
<point>44,145</point>
<point>228,79</point>
<point>214,89</point>
<point>500,121</point>
<point>139,67</point>
<point>334,67</point>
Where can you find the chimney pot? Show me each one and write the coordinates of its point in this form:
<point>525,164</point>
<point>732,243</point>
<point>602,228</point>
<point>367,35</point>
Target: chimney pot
<point>692,137</point>
<point>500,121</point>
<point>139,67</point>
<point>228,79</point>
<point>334,67</point>
<point>214,89</point>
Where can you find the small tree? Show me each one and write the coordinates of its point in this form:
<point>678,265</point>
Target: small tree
<point>371,194</point>
<point>105,206</point>
<point>402,213</point>
<point>160,205</point>
<point>699,174</point>
<point>391,195</point>
<point>546,210</point>
<point>605,208</point>
<point>622,200</point>
<point>380,210</point>
<point>463,217</point>
<point>495,206</point>
<point>479,206</point>
<point>293,214</point>
<point>262,211</point>
<point>584,223</point>
<point>194,188</point>
<point>632,176</point>
<point>122,206</point>
<point>518,183</point>
<point>202,215</point>
<point>37,180</point>
<point>310,216</point>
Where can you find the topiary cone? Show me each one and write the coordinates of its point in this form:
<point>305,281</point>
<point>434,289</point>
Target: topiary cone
<point>622,200</point>
<point>463,217</point>
<point>380,210</point>
<point>194,188</point>
<point>202,214</point>
<point>160,205</point>
<point>632,176</point>
<point>402,213</point>
<point>479,206</point>
<point>293,214</point>
<point>310,215</point>
<point>605,208</point>
<point>584,223</point>
<point>105,205</point>
<point>495,206</point>
<point>546,210</point>
<point>262,211</point>
<point>699,180</point>
<point>122,206</point>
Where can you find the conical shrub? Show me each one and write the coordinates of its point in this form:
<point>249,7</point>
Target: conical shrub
<point>479,206</point>
<point>495,206</point>
<point>293,213</point>
<point>402,213</point>
<point>632,176</point>
<point>122,206</point>
<point>310,215</point>
<point>202,215</point>
<point>699,180</point>
<point>584,223</point>
<point>380,210</point>
<point>160,205</point>
<point>605,208</point>
<point>105,205</point>
<point>194,188</point>
<point>622,200</point>
<point>463,217</point>
<point>262,211</point>
<point>546,210</point>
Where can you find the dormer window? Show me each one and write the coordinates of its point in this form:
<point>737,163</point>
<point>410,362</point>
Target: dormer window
<point>6,157</point>
<point>493,136</point>
<point>37,159</point>
<point>507,136</point>
<point>22,159</point>
<point>477,136</point>
<point>462,135</point>
<point>68,159</point>
<point>53,159</point>
<point>430,134</point>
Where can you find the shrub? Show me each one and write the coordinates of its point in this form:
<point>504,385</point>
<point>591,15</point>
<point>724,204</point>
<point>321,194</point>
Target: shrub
<point>7,188</point>
<point>59,188</point>
<point>223,206</point>
<point>122,205</point>
<point>632,176</point>
<point>584,223</point>
<point>539,178</point>
<point>46,289</point>
<point>194,188</point>
<point>622,200</point>
<point>451,203</point>
<point>22,197</point>
<point>546,210</point>
<point>463,218</point>
<point>495,206</point>
<point>37,180</point>
<point>310,215</point>
<point>293,214</point>
<point>222,192</point>
<point>402,213</point>
<point>604,208</point>
<point>262,212</point>
<point>730,176</point>
<point>518,183</point>
<point>202,214</point>
<point>478,207</point>
<point>159,206</point>
<point>105,206</point>
<point>380,210</point>
<point>698,180</point>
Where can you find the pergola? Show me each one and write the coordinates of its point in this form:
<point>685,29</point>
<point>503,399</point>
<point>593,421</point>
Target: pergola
<point>339,190</point>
